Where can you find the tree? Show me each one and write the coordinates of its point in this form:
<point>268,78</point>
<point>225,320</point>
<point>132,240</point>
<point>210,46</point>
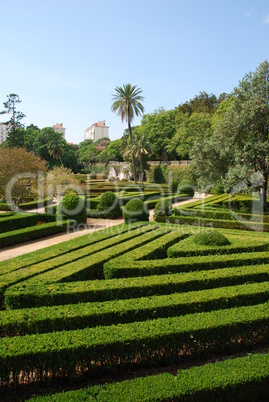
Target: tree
<point>56,146</point>
<point>160,126</point>
<point>139,148</point>
<point>19,173</point>
<point>241,139</point>
<point>192,128</point>
<point>15,120</point>
<point>127,104</point>
<point>87,153</point>
<point>59,180</point>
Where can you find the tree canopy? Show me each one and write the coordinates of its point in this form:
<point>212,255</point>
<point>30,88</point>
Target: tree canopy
<point>238,152</point>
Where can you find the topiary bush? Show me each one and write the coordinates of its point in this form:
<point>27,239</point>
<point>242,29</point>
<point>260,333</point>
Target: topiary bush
<point>93,176</point>
<point>186,187</point>
<point>135,210</point>
<point>109,203</point>
<point>72,207</point>
<point>210,238</point>
<point>163,208</point>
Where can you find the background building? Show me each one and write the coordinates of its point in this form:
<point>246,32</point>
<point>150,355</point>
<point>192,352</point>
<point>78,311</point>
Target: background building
<point>96,131</point>
<point>4,131</point>
<point>59,129</point>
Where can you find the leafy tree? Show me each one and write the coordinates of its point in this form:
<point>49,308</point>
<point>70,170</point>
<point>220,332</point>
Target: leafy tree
<point>127,104</point>
<point>112,152</point>
<point>192,128</point>
<point>87,153</point>
<point>59,180</point>
<point>15,120</point>
<point>160,127</point>
<point>19,173</point>
<point>239,149</point>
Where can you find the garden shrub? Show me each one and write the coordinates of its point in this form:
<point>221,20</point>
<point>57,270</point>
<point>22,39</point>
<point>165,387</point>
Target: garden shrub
<point>72,207</point>
<point>211,238</point>
<point>111,178</point>
<point>135,210</point>
<point>93,176</point>
<point>158,175</point>
<point>109,203</point>
<point>163,208</point>
<point>186,187</point>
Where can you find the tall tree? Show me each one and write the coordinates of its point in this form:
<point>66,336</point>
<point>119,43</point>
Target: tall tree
<point>15,120</point>
<point>139,149</point>
<point>127,104</point>
<point>239,149</point>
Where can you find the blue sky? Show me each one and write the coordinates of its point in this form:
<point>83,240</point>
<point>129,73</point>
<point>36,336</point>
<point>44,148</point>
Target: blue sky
<point>64,58</point>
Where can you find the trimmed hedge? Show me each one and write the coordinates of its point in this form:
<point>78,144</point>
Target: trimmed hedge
<point>123,267</point>
<point>109,204</point>
<point>148,342</point>
<point>134,211</point>
<point>72,207</point>
<point>71,264</point>
<point>17,221</point>
<point>126,288</point>
<point>47,319</point>
<point>225,224</point>
<point>32,233</point>
<point>240,379</point>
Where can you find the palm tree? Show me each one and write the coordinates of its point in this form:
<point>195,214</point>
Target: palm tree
<point>140,147</point>
<point>127,104</point>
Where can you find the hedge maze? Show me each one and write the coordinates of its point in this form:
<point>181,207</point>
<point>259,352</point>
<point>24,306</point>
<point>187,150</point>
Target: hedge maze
<point>134,296</point>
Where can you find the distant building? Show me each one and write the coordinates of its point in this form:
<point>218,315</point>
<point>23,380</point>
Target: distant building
<point>59,129</point>
<point>96,131</point>
<point>4,131</point>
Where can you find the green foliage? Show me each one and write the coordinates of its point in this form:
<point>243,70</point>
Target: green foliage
<point>143,341</point>
<point>163,208</point>
<point>72,207</point>
<point>158,175</point>
<point>211,238</point>
<point>32,233</point>
<point>43,320</point>
<point>109,203</point>
<point>93,176</point>
<point>17,221</point>
<point>240,379</point>
<point>186,187</point>
<point>135,210</point>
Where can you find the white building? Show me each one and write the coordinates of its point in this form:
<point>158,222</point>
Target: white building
<point>59,129</point>
<point>96,131</point>
<point>4,131</point>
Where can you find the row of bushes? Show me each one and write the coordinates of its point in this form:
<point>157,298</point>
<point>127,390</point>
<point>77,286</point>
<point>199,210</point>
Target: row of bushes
<point>239,379</point>
<point>71,263</point>
<point>17,221</point>
<point>147,342</point>
<point>77,316</point>
<point>27,205</point>
<point>123,267</point>
<point>188,248</point>
<point>221,214</point>
<point>69,246</point>
<point>125,288</point>
<point>224,224</point>
<point>32,233</point>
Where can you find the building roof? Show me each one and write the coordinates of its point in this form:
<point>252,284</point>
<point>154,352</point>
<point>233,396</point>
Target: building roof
<point>58,125</point>
<point>98,124</point>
